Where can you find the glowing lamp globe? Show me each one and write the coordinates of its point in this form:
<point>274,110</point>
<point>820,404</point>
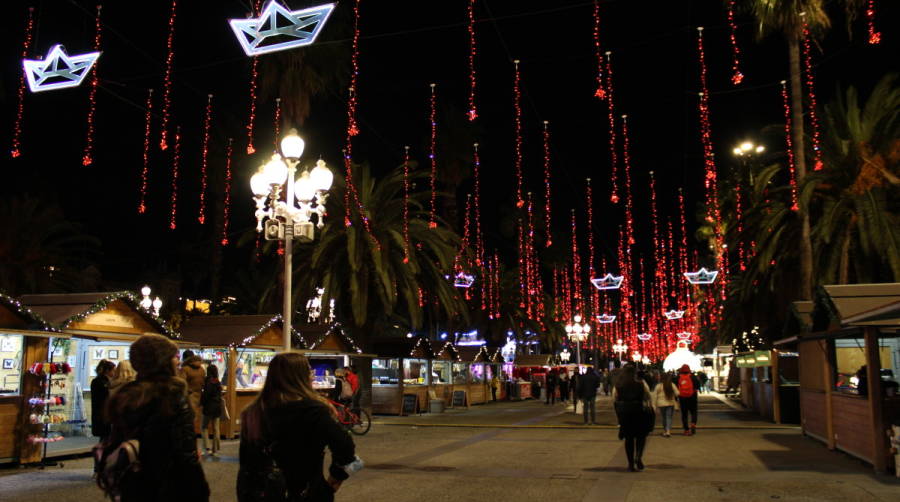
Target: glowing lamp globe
<point>292,146</point>
<point>259,184</point>
<point>145,291</point>
<point>304,188</point>
<point>680,357</point>
<point>321,176</point>
<point>275,170</point>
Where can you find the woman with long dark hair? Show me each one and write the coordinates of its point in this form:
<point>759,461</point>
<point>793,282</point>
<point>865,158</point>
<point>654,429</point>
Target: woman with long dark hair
<point>284,433</point>
<point>665,402</point>
<point>633,408</point>
<point>151,416</point>
<point>99,395</point>
<point>212,406</point>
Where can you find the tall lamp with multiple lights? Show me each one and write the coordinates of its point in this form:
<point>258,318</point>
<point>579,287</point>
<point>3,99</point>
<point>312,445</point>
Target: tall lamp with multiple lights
<point>578,332</point>
<point>291,218</point>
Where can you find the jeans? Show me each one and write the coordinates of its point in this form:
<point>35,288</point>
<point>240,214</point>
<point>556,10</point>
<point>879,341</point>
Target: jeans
<point>592,404</point>
<point>213,424</point>
<point>666,413</point>
<point>688,405</point>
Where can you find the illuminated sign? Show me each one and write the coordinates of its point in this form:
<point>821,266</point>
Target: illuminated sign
<point>608,281</point>
<point>702,276</point>
<point>59,70</point>
<point>268,32</point>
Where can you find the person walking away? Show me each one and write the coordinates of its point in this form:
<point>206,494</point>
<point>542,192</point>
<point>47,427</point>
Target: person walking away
<point>287,429</point>
<point>213,407</point>
<point>151,453</point>
<point>495,385</point>
<point>665,402</point>
<point>703,378</point>
<point>193,373</point>
<point>588,384</point>
<point>607,382</point>
<point>123,374</point>
<point>552,380</point>
<point>734,378</point>
<point>688,384</point>
<point>575,383</point>
<point>99,395</point>
<point>564,387</point>
<point>631,396</point>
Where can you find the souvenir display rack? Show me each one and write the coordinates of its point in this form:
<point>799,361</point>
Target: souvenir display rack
<point>41,404</point>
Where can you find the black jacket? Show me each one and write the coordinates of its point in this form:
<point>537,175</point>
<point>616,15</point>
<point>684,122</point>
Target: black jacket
<point>99,395</point>
<point>164,425</point>
<point>211,398</point>
<point>587,385</point>
<point>298,433</point>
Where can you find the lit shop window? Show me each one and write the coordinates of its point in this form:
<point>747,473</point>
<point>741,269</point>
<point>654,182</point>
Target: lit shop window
<point>11,370</point>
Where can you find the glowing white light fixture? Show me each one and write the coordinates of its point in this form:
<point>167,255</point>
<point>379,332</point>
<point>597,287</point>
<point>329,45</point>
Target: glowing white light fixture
<point>608,281</point>
<point>157,304</point>
<point>276,22</point>
<point>644,337</point>
<point>682,356</point>
<point>463,280</point>
<point>606,318</point>
<point>146,302</point>
<point>564,356</point>
<point>673,314</point>
<point>702,276</point>
<point>58,70</point>
<point>321,176</point>
<point>620,348</point>
<point>292,146</point>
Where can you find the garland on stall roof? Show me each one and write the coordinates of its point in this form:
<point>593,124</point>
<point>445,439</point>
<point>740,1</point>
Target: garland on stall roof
<point>337,328</point>
<point>20,309</point>
<point>271,322</point>
<point>129,298</point>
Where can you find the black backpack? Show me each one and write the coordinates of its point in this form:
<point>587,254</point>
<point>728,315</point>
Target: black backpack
<point>114,463</point>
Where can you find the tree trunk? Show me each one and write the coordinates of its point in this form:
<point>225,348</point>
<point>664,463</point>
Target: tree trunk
<point>797,131</point>
<point>843,273</point>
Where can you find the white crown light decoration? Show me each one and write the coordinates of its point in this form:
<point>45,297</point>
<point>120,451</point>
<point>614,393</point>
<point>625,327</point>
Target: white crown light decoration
<point>644,336</point>
<point>58,70</point>
<point>702,276</point>
<point>278,28</point>
<point>463,280</point>
<point>606,318</point>
<point>673,314</point>
<point>608,281</point>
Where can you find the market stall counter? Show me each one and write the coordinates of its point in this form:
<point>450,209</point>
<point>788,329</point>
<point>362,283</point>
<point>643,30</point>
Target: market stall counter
<point>400,375</point>
<point>474,360</point>
<point>332,348</point>
<point>241,346</point>
<point>96,327</point>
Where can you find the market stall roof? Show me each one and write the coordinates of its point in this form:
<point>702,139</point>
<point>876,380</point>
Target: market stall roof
<point>109,312</point>
<point>850,300</point>
<point>328,337</point>
<point>418,347</point>
<point>469,354</point>
<point>525,360</point>
<point>803,311</point>
<point>885,315</point>
<point>448,353</point>
<point>15,315</point>
<point>238,331</point>
<point>495,354</point>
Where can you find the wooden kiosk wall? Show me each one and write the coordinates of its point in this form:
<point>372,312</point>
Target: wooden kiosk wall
<point>388,399</point>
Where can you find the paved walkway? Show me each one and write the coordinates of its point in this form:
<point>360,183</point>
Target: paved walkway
<point>532,451</point>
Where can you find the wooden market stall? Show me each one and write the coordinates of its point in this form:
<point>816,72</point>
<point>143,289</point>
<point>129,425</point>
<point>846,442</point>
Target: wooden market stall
<point>24,341</point>
<point>441,384</point>
<point>770,384</point>
<point>400,375</point>
<point>848,362</point>
<point>241,346</point>
<point>97,326</point>
<point>530,369</point>
<point>499,367</point>
<point>472,373</point>
<point>331,348</point>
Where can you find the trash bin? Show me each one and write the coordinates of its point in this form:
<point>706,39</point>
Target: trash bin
<point>436,405</point>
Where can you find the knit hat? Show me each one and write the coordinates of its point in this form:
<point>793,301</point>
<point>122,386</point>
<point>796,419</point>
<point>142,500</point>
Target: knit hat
<point>151,355</point>
<point>685,368</point>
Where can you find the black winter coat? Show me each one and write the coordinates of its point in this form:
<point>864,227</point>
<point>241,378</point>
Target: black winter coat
<point>298,432</point>
<point>99,396</point>
<point>170,469</point>
<point>211,398</point>
<point>587,385</point>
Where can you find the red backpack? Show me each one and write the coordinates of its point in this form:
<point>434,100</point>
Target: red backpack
<point>685,385</point>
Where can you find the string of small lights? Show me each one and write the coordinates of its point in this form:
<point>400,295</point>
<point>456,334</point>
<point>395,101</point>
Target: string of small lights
<point>145,167</point>
<point>226,205</point>
<point>251,114</point>
<point>167,80</point>
<point>176,157</point>
<point>811,93</point>
<point>786,103</point>
<point>576,269</point>
<point>277,122</point>
<point>517,105</point>
<point>473,109</point>
<point>352,129</point>
<point>87,157</point>
<point>479,235</point>
<point>710,182</point>
<point>547,215</point>
<point>629,206</point>
<point>204,155</point>
<point>610,109</point>
<point>432,155</point>
<point>406,204</point>
<point>16,147</point>
<point>874,36</point>
<point>598,52</point>
<point>736,77</point>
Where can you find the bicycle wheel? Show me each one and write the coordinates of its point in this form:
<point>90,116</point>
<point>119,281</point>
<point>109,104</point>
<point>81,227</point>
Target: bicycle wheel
<point>362,425</point>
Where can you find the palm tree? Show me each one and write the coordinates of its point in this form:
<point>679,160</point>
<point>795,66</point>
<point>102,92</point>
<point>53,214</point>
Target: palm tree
<point>375,281</point>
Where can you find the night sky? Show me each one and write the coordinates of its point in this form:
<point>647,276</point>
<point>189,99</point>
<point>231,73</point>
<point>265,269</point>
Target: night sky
<point>405,45</point>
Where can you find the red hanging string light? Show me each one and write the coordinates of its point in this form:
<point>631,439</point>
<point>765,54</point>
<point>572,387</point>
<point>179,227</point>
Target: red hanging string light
<point>736,76</point>
<point>16,147</point>
<point>277,122</point>
<point>710,181</point>
<point>874,36</point>
<point>479,236</point>
<point>601,91</point>
<point>204,154</point>
<point>167,80</point>
<point>517,99</point>
<point>810,88</point>
<point>87,157</point>
<point>432,156</point>
<point>473,110</point>
<point>610,109</point>
<point>578,303</point>
<point>176,157</point>
<point>405,204</point>
<point>547,183</point>
<point>786,103</point>
<point>226,210</point>
<point>251,115</point>
<point>629,206</point>
<point>145,169</point>
<point>595,293</point>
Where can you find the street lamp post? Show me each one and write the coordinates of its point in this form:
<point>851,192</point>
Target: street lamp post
<point>620,348</point>
<point>578,333</point>
<point>291,218</point>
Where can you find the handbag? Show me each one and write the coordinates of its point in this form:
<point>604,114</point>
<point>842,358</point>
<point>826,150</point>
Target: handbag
<point>266,483</point>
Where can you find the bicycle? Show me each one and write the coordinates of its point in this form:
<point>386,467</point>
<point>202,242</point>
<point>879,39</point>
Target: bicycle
<point>358,424</point>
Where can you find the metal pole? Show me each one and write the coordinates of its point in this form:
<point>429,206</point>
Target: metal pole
<point>288,257</point>
<point>578,353</point>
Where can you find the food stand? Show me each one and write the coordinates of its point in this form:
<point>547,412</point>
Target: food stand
<point>242,347</point>
<point>401,367</point>
<point>97,326</point>
<point>442,371</point>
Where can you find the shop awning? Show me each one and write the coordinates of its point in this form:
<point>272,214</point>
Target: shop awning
<point>264,331</point>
